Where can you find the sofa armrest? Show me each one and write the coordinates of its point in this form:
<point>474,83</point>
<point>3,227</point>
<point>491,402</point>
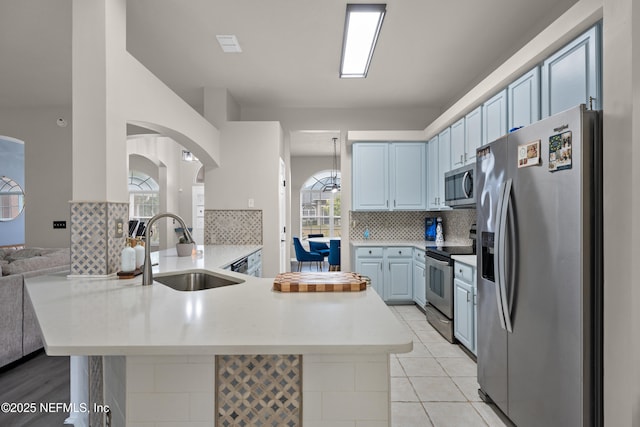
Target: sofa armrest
<point>11,316</point>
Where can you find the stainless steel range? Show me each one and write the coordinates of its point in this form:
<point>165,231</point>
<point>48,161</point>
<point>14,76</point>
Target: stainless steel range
<point>439,284</point>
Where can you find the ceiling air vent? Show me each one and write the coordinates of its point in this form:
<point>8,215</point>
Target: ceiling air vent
<point>229,43</point>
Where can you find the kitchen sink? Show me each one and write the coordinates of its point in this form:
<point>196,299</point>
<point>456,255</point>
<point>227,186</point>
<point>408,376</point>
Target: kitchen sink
<point>195,281</point>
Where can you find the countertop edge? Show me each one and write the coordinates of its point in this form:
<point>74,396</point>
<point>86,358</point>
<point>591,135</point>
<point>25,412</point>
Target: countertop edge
<point>406,347</point>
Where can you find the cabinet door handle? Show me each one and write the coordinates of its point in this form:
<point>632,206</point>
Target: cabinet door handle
<point>394,203</point>
<point>468,297</point>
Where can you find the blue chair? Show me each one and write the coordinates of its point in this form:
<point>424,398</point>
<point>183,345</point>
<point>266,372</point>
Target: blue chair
<point>318,247</point>
<point>304,256</point>
<point>334,255</point>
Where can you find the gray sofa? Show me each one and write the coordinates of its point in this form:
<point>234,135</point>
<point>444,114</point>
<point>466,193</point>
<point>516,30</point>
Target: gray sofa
<point>19,330</point>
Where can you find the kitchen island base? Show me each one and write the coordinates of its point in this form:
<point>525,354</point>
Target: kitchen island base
<point>244,390</point>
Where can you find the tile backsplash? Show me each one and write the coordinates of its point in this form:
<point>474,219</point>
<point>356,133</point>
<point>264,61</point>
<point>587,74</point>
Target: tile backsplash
<point>95,244</point>
<point>410,225</point>
<point>232,227</point>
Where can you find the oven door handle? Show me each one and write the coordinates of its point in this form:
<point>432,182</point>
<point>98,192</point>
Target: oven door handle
<point>437,261</point>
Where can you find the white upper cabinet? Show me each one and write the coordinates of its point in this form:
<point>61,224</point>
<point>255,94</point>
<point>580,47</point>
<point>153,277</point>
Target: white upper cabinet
<point>370,176</point>
<point>494,115</point>
<point>458,149</point>
<point>572,75</point>
<point>438,162</point>
<point>408,176</point>
<point>432,173</point>
<point>389,176</point>
<point>473,134</point>
<point>524,99</point>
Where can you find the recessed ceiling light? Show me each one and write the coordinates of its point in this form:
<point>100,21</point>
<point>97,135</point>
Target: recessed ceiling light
<point>361,29</point>
<point>229,43</point>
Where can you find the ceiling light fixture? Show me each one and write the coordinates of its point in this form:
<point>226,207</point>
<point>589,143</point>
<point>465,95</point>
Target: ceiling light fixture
<point>361,29</point>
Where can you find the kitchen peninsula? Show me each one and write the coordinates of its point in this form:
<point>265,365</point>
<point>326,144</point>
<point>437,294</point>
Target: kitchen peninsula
<point>214,356</point>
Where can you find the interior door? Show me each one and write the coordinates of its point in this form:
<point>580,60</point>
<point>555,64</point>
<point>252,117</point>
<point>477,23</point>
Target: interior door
<point>282,217</point>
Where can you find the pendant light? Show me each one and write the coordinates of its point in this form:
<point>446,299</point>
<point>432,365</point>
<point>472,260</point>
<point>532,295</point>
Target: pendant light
<point>333,186</point>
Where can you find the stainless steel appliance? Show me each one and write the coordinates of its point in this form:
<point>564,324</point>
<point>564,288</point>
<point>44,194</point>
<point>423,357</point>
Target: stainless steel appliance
<point>540,271</point>
<point>241,266</point>
<point>439,284</point>
<point>458,187</point>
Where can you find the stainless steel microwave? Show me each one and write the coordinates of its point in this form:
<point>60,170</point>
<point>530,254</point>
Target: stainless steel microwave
<point>458,187</point>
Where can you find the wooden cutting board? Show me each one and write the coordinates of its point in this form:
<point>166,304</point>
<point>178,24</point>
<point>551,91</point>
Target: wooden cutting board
<point>339,281</point>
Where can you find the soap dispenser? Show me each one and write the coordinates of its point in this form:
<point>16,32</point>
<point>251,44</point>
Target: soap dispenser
<point>139,253</point>
<point>128,258</point>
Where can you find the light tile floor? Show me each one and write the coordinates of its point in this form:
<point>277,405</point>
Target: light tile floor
<point>435,385</point>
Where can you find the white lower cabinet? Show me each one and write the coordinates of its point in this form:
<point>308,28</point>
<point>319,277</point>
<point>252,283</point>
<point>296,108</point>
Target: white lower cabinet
<point>399,278</point>
<point>464,303</point>
<point>390,270</point>
<point>369,263</point>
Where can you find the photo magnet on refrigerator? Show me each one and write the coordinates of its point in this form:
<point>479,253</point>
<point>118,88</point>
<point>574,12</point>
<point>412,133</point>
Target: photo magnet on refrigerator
<point>560,151</point>
<point>529,154</point>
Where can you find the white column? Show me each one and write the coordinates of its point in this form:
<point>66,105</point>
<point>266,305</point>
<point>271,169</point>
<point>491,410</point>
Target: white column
<point>99,129</point>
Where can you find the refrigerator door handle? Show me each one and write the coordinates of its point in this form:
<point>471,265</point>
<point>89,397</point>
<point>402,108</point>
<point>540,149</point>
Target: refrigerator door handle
<point>497,259</point>
<point>502,243</point>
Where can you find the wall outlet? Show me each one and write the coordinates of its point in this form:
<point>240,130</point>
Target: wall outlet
<point>59,224</point>
<point>119,228</point>
<point>251,203</point>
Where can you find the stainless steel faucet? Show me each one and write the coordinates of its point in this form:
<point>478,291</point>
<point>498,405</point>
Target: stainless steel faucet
<point>147,275</point>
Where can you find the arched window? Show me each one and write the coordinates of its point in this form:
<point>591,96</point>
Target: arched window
<point>144,201</point>
<point>319,206</point>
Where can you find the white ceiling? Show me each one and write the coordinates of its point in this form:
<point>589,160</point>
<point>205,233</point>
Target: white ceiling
<point>429,52</point>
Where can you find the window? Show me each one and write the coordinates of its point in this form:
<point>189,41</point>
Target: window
<point>144,200</point>
<point>320,209</point>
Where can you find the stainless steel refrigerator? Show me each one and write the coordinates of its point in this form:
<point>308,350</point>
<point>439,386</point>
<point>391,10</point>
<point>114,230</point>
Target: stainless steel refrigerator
<point>539,252</point>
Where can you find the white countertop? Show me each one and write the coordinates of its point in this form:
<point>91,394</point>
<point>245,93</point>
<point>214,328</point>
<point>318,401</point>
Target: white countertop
<point>94,316</point>
<point>466,259</point>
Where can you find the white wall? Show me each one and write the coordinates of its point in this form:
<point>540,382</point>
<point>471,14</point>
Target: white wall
<point>249,169</point>
<point>110,89</point>
<point>621,87</point>
<point>47,170</point>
